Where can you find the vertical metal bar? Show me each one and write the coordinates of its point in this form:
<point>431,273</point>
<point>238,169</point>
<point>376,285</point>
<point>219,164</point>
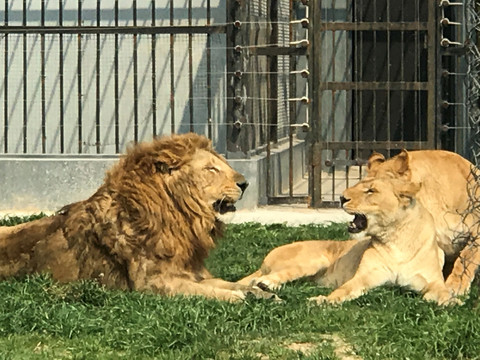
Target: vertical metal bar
<point>291,121</point>
<point>25,77</point>
<point>209,75</point>
<point>431,66</point>
<point>42,55</point>
<point>97,92</point>
<point>190,67</point>
<point>79,77</point>
<point>374,92</point>
<point>154,74</point>
<point>416,78</point>
<point>402,76</point>
<point>5,84</point>
<point>172,73</point>
<point>388,78</point>
<point>135,75</point>
<point>117,101</point>
<point>315,64</point>
<point>61,84</point>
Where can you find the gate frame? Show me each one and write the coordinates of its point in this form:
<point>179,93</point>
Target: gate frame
<point>316,145</point>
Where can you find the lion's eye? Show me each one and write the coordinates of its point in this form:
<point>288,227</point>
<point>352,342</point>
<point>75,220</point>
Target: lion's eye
<point>370,191</point>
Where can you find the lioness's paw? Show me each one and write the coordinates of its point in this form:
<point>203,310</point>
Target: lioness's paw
<point>458,286</point>
<point>319,300</point>
<point>267,284</point>
<point>236,296</point>
<point>261,294</point>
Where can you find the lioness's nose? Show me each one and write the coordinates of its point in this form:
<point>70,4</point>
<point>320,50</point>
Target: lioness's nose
<point>343,200</point>
<point>243,185</point>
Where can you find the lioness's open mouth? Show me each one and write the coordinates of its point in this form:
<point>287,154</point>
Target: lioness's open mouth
<point>224,206</point>
<point>358,224</point>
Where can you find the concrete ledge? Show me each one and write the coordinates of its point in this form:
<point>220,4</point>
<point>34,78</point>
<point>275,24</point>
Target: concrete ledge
<point>46,183</point>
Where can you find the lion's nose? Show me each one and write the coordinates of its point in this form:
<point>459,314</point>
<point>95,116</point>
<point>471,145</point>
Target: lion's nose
<point>243,186</point>
<point>343,200</point>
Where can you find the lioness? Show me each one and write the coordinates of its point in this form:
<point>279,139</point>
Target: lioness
<point>401,248</point>
<point>449,184</point>
<point>149,227</point>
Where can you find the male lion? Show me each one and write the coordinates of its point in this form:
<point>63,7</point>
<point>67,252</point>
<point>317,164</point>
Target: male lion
<point>149,227</point>
<point>394,222</point>
<point>449,184</point>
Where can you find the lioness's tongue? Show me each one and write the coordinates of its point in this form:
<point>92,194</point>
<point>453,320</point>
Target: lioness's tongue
<point>358,224</point>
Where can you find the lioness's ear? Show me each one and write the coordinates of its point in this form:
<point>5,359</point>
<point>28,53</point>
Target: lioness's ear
<point>373,161</point>
<point>401,163</point>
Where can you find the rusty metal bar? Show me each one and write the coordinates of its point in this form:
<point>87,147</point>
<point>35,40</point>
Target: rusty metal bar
<point>172,72</point>
<point>290,200</point>
<point>210,29</point>
<point>5,85</point>
<point>277,50</point>
<point>370,145</point>
<point>79,78</point>
<point>42,75</point>
<point>25,78</point>
<point>117,85</point>
<point>373,26</point>
<point>292,104</point>
<point>135,75</point>
<point>209,75</point>
<point>432,79</point>
<point>97,86</point>
<point>315,57</point>
<point>373,85</point>
<point>190,68</point>
<point>153,55</point>
<point>61,80</point>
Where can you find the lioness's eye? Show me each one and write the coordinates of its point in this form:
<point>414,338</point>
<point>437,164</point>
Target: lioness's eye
<point>212,169</point>
<point>370,191</point>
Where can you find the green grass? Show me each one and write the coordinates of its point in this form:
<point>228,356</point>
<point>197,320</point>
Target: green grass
<point>41,319</point>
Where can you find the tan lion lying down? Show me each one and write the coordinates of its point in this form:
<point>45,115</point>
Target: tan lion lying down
<point>149,227</point>
<point>401,249</point>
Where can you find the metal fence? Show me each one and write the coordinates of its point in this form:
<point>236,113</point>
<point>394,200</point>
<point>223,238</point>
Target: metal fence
<point>316,85</point>
<point>90,76</point>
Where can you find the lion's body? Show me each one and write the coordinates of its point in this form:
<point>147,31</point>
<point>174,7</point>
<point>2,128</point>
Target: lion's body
<point>448,182</point>
<point>149,227</point>
<point>401,249</point>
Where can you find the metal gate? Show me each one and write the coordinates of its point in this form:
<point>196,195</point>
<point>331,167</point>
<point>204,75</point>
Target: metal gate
<point>373,67</point>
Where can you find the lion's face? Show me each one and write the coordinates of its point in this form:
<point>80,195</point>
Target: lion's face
<point>220,185</point>
<point>377,203</point>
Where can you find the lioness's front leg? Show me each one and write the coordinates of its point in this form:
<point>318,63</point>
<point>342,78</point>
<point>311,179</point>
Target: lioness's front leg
<point>367,277</point>
<point>464,269</point>
<point>246,289</point>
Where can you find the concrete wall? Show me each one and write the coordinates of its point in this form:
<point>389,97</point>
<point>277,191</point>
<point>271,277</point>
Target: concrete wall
<point>45,183</point>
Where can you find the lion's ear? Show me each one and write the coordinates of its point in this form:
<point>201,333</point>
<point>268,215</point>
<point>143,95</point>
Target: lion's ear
<point>373,161</point>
